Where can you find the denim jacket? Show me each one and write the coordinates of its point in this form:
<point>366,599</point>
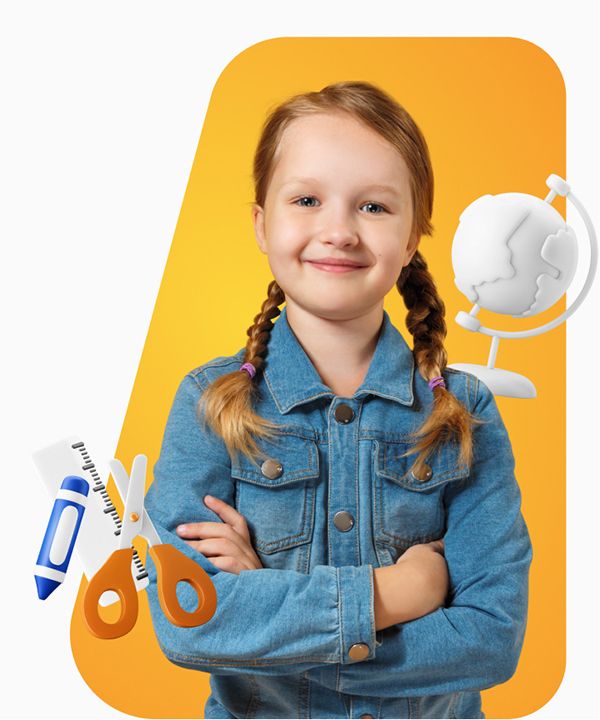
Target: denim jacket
<point>334,499</point>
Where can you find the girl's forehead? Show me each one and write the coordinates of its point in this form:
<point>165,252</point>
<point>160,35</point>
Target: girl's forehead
<point>330,125</point>
<point>329,141</point>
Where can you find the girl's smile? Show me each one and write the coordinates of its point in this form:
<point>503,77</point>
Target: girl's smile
<point>335,267</point>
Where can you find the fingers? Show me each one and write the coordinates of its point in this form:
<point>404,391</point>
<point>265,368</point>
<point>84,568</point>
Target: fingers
<point>234,524</point>
<point>212,547</point>
<point>228,514</point>
<point>213,539</point>
<point>233,527</point>
<point>230,560</point>
<point>229,564</point>
<point>227,544</point>
<point>196,530</point>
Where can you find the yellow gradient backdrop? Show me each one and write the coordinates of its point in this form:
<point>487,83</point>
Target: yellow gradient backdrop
<point>493,113</point>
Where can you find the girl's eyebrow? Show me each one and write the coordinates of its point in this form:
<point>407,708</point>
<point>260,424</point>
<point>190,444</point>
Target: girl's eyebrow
<point>384,188</point>
<point>390,189</point>
<point>309,180</point>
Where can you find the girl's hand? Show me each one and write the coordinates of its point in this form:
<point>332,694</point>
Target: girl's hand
<point>227,545</point>
<point>415,585</point>
<point>429,562</point>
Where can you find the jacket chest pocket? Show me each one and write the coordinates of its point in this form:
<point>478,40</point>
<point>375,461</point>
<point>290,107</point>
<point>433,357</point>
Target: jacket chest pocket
<point>277,496</point>
<point>408,510</point>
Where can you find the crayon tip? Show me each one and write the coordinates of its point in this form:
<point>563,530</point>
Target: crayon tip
<point>45,586</point>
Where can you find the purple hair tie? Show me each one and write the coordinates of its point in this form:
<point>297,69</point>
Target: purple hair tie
<point>249,368</point>
<point>434,382</point>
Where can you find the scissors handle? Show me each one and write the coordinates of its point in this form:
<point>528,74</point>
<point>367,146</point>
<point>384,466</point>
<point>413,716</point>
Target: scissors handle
<point>172,567</point>
<point>115,575</point>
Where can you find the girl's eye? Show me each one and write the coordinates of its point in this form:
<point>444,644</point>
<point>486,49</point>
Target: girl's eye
<point>374,208</point>
<point>306,201</point>
<point>309,201</point>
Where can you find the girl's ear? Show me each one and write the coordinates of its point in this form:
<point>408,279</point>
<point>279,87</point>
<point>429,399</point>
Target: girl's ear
<point>411,248</point>
<point>258,220</point>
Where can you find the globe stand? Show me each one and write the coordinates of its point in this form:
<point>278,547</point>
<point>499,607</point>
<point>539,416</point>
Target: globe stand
<point>500,382</point>
<point>505,382</point>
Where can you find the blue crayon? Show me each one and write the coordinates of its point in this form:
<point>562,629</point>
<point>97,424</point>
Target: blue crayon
<point>61,534</point>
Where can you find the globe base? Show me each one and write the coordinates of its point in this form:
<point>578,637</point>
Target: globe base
<point>500,382</point>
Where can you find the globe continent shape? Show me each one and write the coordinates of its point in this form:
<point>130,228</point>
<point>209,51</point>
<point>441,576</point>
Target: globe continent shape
<point>513,254</point>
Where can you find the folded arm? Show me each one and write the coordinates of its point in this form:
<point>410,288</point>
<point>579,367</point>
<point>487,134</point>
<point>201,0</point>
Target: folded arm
<point>475,642</point>
<point>270,621</point>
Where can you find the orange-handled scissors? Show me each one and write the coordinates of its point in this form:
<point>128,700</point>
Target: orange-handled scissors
<point>172,567</point>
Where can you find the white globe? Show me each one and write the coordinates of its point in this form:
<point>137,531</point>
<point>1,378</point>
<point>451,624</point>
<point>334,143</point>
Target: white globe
<point>513,254</point>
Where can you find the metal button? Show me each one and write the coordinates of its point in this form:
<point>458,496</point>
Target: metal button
<point>271,469</point>
<point>366,716</point>
<point>423,474</point>
<point>359,651</point>
<point>343,521</point>
<point>344,414</point>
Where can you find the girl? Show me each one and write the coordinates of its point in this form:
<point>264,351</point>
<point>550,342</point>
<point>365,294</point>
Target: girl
<point>353,500</point>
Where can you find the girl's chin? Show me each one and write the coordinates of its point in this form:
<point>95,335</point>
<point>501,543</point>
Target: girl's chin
<point>335,311</point>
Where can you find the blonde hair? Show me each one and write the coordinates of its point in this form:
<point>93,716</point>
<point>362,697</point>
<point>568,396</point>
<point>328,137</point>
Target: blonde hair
<point>227,403</point>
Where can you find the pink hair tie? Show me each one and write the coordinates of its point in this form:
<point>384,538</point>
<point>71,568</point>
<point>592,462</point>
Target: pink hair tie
<point>434,382</point>
<point>249,368</point>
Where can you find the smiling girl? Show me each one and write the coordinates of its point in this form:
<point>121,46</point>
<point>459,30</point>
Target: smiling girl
<point>353,500</point>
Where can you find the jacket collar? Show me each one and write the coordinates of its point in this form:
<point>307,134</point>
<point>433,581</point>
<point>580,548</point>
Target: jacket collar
<point>293,379</point>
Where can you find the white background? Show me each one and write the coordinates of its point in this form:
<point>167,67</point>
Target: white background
<point>102,105</point>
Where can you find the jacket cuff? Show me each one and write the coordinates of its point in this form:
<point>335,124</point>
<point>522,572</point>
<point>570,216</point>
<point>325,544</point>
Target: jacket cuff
<point>357,615</point>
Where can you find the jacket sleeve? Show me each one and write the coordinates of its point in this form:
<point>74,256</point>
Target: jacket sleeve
<point>270,621</point>
<point>474,642</point>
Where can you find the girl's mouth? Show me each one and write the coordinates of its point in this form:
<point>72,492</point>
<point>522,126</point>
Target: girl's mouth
<point>336,268</point>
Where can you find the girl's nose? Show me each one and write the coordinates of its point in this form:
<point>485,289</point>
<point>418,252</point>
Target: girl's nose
<point>339,228</point>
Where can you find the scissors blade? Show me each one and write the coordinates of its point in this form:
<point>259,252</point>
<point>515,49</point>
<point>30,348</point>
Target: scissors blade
<point>149,531</point>
<point>134,502</point>
<point>120,477</point>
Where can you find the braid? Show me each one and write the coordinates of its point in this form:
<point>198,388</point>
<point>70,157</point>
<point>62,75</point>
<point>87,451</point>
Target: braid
<point>260,330</point>
<point>425,319</point>
<point>227,403</point>
<point>425,322</point>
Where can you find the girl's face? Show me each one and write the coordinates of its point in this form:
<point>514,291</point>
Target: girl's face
<point>338,190</point>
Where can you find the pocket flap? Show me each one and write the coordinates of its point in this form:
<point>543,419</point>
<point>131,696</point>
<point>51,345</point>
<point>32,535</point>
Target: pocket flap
<point>286,459</point>
<point>444,465</point>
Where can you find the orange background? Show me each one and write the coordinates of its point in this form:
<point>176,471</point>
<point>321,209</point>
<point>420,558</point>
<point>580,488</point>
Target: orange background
<point>493,113</point>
